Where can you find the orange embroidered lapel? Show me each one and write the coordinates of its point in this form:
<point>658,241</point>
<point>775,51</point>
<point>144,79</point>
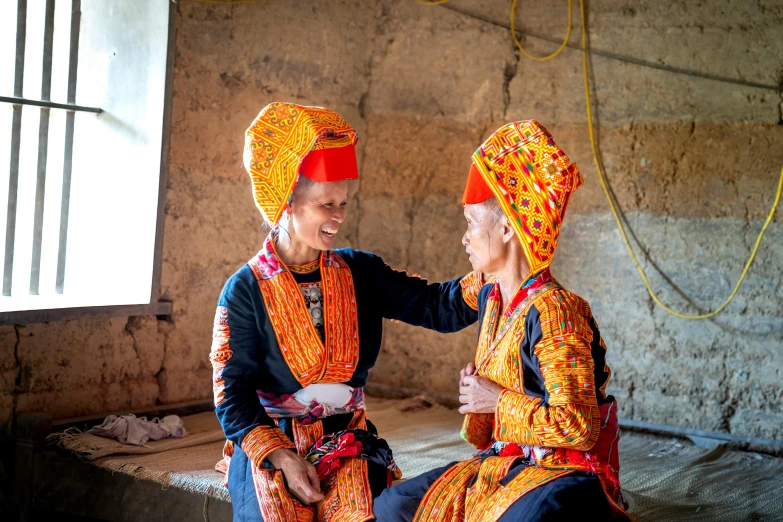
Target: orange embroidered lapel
<point>310,359</point>
<point>497,355</point>
<point>495,326</point>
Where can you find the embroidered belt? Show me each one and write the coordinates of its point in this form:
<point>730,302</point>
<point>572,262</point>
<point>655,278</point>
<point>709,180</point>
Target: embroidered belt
<point>313,402</point>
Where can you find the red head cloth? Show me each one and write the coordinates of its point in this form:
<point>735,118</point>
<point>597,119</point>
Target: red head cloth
<point>332,164</point>
<point>477,190</point>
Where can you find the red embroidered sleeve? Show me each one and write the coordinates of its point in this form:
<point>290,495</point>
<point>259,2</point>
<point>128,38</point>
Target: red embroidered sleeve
<point>570,418</point>
<point>263,440</point>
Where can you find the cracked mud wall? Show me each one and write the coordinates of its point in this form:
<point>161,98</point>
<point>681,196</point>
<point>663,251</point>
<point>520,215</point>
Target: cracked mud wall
<point>693,162</point>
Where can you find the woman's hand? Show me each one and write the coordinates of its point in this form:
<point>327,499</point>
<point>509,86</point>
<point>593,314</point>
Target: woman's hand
<point>300,475</point>
<point>470,369</point>
<point>477,394</point>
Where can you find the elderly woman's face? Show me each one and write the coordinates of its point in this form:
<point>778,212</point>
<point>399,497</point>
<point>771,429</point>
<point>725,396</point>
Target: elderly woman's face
<point>483,240</point>
<point>318,211</point>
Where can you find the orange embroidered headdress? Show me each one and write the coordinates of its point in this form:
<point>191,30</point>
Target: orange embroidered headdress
<point>287,140</point>
<point>533,179</point>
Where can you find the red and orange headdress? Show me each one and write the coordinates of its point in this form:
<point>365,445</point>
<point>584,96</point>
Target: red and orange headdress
<point>532,180</point>
<point>287,140</point>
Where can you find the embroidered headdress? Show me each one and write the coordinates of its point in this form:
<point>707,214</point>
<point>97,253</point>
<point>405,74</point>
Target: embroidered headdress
<point>287,140</point>
<point>532,179</point>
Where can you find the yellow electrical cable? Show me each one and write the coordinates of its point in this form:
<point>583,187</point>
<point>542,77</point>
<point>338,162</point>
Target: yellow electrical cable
<point>228,2</point>
<point>604,185</point>
<point>605,182</point>
<point>522,49</point>
<point>432,2</point>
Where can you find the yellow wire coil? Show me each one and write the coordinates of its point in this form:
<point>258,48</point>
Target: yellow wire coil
<point>522,49</point>
<point>605,183</point>
<point>228,2</point>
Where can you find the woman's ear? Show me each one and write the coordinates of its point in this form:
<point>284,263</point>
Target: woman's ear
<point>508,230</point>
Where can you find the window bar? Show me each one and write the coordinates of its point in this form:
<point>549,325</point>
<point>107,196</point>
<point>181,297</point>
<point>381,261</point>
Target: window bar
<point>49,104</point>
<point>43,148</point>
<point>16,135</point>
<point>73,63</point>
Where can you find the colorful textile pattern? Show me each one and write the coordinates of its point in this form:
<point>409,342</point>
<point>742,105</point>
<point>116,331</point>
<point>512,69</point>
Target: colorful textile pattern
<point>313,298</point>
<point>302,348</point>
<point>477,428</point>
<point>347,493</point>
<point>330,451</point>
<point>533,180</point>
<point>276,504</point>
<point>341,460</point>
<point>553,427</point>
<point>220,353</point>
<point>571,418</point>
<point>471,490</point>
<point>306,268</point>
<point>262,441</point>
<point>277,142</point>
<point>286,405</point>
<point>471,286</point>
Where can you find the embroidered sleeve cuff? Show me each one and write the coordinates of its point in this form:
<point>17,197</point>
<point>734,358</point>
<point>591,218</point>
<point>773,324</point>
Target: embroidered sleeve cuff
<point>262,441</point>
<point>477,429</point>
<point>471,286</point>
<point>510,414</point>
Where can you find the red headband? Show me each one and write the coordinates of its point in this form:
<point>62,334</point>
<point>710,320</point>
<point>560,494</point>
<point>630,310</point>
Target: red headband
<point>334,164</point>
<point>476,190</point>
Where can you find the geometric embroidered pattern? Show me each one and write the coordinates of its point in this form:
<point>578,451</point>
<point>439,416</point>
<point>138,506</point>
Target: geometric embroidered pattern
<point>497,354</point>
<point>491,503</point>
<point>220,353</point>
<point>471,286</point>
<point>347,493</point>
<point>274,500</point>
<point>561,432</point>
<point>263,440</point>
<point>532,179</point>
<point>311,360</point>
<point>445,499</point>
<point>276,143</point>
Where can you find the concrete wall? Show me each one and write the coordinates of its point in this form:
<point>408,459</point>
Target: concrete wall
<point>693,162</point>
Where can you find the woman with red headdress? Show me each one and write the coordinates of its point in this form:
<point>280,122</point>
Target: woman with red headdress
<point>299,326</point>
<point>534,398</point>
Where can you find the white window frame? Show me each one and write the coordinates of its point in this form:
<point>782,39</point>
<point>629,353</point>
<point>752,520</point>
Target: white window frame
<point>156,306</point>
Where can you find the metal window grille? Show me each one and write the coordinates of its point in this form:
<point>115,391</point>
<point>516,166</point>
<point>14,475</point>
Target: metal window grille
<point>46,106</point>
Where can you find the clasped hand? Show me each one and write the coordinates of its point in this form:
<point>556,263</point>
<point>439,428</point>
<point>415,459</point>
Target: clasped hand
<point>477,394</point>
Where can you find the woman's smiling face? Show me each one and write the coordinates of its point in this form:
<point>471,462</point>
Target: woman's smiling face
<point>317,211</point>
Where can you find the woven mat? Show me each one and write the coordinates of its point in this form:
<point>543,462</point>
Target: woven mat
<point>663,479</point>
<point>202,428</point>
<point>671,479</point>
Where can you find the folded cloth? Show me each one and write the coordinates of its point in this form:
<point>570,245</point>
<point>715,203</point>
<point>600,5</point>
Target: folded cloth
<point>130,429</point>
<point>328,452</point>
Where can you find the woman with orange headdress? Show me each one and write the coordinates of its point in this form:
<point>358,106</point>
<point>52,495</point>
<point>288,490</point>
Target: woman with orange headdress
<point>299,326</point>
<point>534,398</point>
